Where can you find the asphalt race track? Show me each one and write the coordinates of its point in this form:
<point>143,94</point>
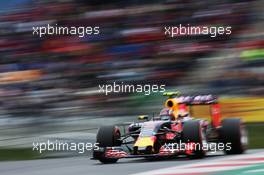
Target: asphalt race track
<point>85,166</point>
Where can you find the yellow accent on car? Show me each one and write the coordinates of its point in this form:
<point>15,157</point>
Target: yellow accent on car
<point>142,117</point>
<point>144,142</point>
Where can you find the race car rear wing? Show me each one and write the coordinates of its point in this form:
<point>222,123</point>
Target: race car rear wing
<point>198,100</point>
<point>210,100</point>
<point>192,100</point>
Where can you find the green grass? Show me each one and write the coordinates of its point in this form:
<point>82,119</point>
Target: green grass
<point>18,154</point>
<point>256,135</point>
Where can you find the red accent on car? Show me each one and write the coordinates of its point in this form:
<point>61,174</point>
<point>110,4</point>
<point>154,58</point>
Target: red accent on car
<point>177,126</point>
<point>170,136</point>
<point>153,138</point>
<point>110,153</point>
<point>216,115</point>
<point>190,147</point>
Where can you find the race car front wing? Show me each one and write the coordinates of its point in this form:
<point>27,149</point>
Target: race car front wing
<point>119,153</point>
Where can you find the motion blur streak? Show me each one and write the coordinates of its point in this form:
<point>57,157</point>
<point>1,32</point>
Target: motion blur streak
<point>49,85</point>
<point>131,47</point>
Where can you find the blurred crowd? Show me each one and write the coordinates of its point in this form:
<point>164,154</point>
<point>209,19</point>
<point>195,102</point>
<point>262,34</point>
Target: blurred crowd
<point>59,75</point>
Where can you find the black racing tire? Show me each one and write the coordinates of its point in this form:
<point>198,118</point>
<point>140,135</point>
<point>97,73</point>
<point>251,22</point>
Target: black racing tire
<point>193,132</point>
<point>107,136</point>
<point>233,132</point>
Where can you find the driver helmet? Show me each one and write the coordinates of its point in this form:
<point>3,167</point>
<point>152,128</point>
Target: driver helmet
<point>169,113</point>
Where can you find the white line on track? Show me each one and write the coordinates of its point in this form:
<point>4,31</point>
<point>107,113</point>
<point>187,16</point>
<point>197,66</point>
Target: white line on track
<point>221,164</point>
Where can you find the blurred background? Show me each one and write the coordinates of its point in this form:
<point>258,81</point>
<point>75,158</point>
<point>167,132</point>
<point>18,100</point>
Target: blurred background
<point>49,85</point>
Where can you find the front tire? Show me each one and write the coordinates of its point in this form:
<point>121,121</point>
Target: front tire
<point>193,133</point>
<point>107,136</point>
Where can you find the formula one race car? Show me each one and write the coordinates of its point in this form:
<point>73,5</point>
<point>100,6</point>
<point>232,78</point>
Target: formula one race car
<point>173,132</point>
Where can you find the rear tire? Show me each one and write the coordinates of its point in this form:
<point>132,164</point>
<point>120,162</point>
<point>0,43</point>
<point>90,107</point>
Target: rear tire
<point>107,136</point>
<point>193,132</point>
<point>234,132</point>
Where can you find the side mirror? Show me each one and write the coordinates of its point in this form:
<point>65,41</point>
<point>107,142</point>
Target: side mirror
<point>143,117</point>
